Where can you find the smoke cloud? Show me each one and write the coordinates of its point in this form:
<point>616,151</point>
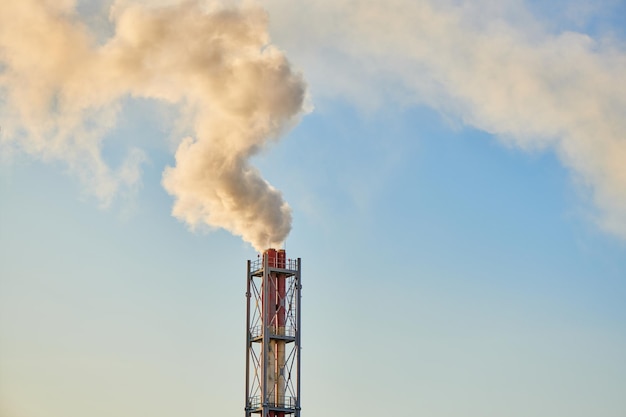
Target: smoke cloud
<point>60,92</point>
<point>493,65</point>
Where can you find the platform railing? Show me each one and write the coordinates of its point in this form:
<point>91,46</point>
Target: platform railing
<point>257,264</point>
<point>283,402</point>
<point>257,331</point>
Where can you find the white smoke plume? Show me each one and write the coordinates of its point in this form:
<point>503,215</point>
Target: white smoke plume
<point>60,92</point>
<point>492,65</point>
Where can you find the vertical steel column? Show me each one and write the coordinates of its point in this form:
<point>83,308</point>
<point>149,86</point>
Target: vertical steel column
<point>298,321</point>
<point>265,288</point>
<point>248,338</point>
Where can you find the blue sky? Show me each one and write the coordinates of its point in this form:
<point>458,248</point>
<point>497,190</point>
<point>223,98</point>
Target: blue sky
<point>463,250</point>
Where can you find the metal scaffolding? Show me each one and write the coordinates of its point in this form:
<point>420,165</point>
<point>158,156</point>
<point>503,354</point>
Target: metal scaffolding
<point>273,336</point>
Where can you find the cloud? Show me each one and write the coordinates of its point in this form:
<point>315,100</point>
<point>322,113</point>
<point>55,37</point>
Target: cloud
<point>491,64</point>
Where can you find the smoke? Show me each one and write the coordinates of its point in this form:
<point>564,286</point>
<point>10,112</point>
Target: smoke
<point>60,93</point>
<point>492,65</point>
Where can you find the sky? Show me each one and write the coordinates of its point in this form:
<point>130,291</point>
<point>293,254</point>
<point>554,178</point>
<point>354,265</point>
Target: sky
<point>452,174</point>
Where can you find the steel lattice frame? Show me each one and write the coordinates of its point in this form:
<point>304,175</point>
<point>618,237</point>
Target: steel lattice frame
<point>263,330</point>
